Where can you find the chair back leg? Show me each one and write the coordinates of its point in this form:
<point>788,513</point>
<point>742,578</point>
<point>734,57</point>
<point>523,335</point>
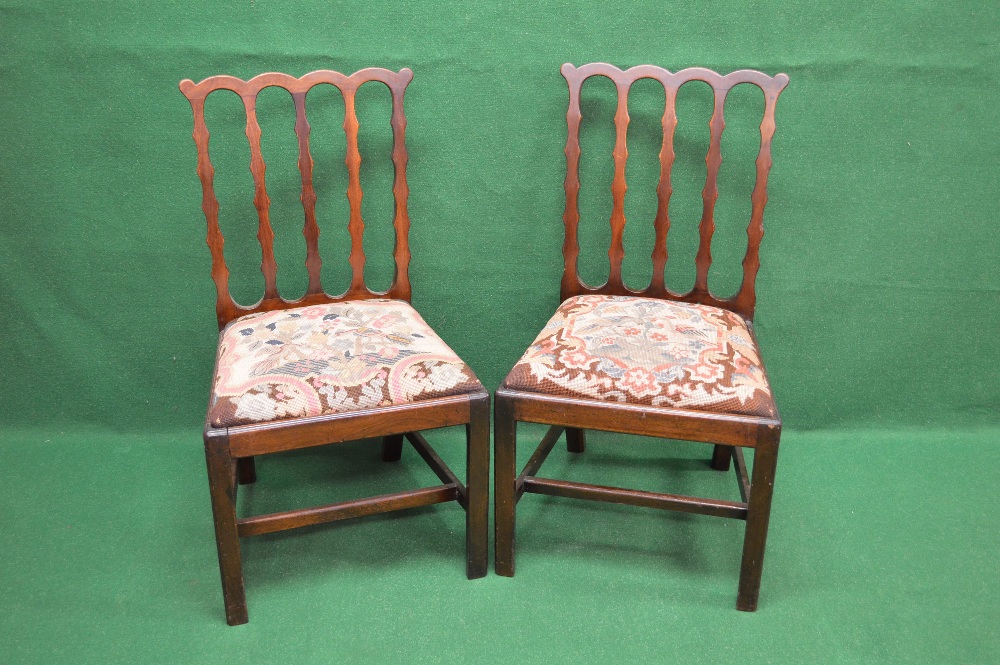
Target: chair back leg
<point>576,440</point>
<point>392,448</point>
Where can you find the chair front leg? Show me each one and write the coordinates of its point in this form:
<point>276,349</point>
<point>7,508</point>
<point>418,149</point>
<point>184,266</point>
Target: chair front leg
<point>221,477</point>
<point>505,479</point>
<point>765,461</point>
<point>477,484</point>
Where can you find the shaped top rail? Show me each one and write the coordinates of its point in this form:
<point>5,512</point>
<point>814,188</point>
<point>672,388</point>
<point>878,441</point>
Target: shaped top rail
<point>745,299</point>
<point>226,308</point>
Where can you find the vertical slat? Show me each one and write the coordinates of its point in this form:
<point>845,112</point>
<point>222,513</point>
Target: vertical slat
<point>710,193</point>
<point>400,190</point>
<point>616,253</point>
<point>265,234</point>
<point>356,226</point>
<point>571,216</point>
<point>314,263</point>
<point>746,298</point>
<point>661,225</point>
<point>224,305</point>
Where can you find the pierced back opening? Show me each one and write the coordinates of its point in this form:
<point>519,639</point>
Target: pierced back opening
<point>228,309</point>
<point>745,299</point>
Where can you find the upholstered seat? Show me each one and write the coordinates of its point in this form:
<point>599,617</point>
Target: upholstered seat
<point>647,351</point>
<point>331,358</point>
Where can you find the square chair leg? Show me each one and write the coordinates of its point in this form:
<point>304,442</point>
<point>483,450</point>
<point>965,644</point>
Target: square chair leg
<point>505,479</point>
<point>477,483</point>
<point>765,461</point>
<point>392,448</point>
<point>222,485</point>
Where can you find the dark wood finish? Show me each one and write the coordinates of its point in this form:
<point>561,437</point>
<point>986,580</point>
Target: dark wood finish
<point>655,421</point>
<point>223,491</point>
<point>228,309</point>
<point>477,476</point>
<point>230,451</point>
<point>744,301</point>
<point>246,471</point>
<point>684,504</point>
<point>538,458</point>
<point>392,448</point>
<point>437,465</point>
<point>293,519</point>
<point>742,478</point>
<point>728,432</point>
<point>504,483</point>
<point>721,456</point>
<point>246,440</point>
<point>761,490</point>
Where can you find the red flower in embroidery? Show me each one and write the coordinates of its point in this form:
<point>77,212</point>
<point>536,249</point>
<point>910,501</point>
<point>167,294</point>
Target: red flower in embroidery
<point>741,364</point>
<point>576,359</point>
<point>706,372</point>
<point>631,331</point>
<point>639,381</point>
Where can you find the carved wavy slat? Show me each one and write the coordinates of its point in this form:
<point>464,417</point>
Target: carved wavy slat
<point>265,234</point>
<point>710,194</point>
<point>571,284</point>
<point>664,190</point>
<point>196,93</point>
<point>356,225</point>
<point>224,305</point>
<point>746,297</point>
<point>401,222</point>
<point>616,253</point>
<point>314,264</point>
<point>721,84</point>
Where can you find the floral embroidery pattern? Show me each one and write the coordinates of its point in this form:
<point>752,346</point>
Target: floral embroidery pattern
<point>331,358</point>
<point>647,351</point>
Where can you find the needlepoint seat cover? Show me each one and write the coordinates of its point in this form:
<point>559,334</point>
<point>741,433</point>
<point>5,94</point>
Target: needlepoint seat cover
<point>331,358</point>
<point>647,351</point>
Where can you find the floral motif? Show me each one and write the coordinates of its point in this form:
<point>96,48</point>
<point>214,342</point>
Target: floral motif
<point>332,358</point>
<point>647,351</point>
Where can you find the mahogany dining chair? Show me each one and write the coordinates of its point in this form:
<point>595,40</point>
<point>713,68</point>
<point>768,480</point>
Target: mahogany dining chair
<point>324,369</point>
<point>650,362</point>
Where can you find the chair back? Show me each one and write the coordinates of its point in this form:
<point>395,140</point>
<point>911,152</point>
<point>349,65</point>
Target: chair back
<point>228,309</point>
<point>744,300</point>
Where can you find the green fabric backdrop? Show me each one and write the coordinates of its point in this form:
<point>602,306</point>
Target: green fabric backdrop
<point>879,289</point>
<point>877,313</point>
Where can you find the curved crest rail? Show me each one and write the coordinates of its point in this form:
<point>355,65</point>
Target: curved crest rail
<point>744,300</point>
<point>228,309</point>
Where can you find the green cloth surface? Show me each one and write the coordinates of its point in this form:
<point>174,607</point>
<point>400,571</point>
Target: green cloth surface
<point>882,549</point>
<point>878,306</point>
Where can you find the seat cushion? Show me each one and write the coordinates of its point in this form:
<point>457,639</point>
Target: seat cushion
<point>647,351</point>
<point>333,358</point>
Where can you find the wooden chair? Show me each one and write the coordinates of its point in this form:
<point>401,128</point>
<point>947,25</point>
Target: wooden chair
<point>327,369</point>
<point>650,362</point>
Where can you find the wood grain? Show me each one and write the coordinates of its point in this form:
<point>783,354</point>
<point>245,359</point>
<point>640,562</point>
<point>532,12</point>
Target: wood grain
<point>744,301</point>
<point>228,309</point>
<point>230,451</point>
<point>728,432</point>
